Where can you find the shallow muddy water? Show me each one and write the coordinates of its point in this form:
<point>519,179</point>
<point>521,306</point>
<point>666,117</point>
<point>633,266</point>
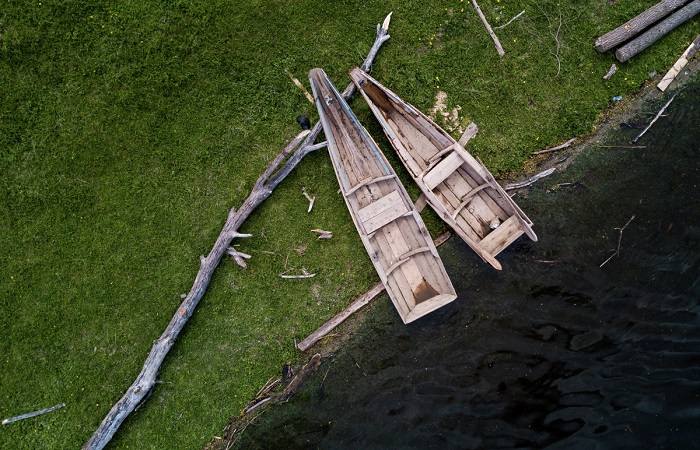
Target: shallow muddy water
<point>554,351</point>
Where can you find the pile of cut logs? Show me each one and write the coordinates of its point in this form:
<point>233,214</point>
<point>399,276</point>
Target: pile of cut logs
<point>653,24</point>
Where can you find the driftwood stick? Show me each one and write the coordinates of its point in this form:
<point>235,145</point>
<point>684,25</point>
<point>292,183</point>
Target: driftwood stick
<point>529,181</point>
<point>680,64</point>
<point>497,43</point>
<point>619,241</point>
<point>262,189</point>
<point>32,414</point>
<point>610,73</point>
<point>661,111</point>
<point>634,26</point>
<point>355,306</point>
<point>510,21</point>
<point>658,31</point>
<point>558,147</point>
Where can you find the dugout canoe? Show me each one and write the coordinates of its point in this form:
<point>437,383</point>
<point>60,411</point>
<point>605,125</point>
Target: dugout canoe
<point>457,186</point>
<point>392,231</point>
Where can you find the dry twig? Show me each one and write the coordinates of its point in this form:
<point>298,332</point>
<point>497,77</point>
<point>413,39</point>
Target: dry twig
<point>529,181</point>
<point>509,22</point>
<point>610,73</point>
<point>558,147</point>
<point>661,111</point>
<point>619,242</point>
<point>32,414</point>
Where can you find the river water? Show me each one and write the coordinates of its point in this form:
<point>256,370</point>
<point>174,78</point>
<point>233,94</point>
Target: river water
<point>554,351</point>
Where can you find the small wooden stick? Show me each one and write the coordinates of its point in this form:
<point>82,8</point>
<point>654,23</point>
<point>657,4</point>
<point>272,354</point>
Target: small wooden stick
<point>511,20</point>
<point>304,274</point>
<point>661,111</point>
<point>610,73</point>
<point>32,414</point>
<point>497,43</point>
<point>309,198</point>
<point>619,242</point>
<point>529,181</point>
<point>238,257</point>
<point>323,234</point>
<point>553,149</point>
<point>300,86</point>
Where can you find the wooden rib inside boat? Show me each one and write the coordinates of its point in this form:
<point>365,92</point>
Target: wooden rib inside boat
<point>457,186</point>
<point>391,229</point>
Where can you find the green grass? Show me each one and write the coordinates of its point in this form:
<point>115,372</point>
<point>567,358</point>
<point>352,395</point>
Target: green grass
<point>128,129</point>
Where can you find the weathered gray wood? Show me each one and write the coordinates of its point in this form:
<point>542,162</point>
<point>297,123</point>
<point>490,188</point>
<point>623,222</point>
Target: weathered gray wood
<point>631,28</point>
<point>496,42</point>
<point>661,111</point>
<point>678,66</point>
<point>392,232</point>
<point>32,414</point>
<point>282,165</point>
<point>658,31</point>
<point>457,186</point>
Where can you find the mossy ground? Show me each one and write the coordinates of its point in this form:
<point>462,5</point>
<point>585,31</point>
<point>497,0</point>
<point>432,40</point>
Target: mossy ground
<point>128,130</point>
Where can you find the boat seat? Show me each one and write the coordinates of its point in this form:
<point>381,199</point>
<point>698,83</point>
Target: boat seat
<point>368,181</point>
<point>438,173</point>
<point>382,211</point>
<point>468,198</point>
<point>405,258</point>
<point>502,237</point>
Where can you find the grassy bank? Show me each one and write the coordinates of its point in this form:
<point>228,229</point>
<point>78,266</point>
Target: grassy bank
<point>128,130</point>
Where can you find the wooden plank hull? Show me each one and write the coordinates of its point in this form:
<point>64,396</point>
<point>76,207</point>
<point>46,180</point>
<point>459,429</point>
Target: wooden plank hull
<point>391,230</point>
<point>458,187</point>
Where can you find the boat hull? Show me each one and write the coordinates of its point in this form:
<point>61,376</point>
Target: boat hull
<point>391,229</point>
<point>457,186</point>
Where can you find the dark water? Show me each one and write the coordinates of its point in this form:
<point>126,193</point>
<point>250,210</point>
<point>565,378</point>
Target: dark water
<point>554,351</point>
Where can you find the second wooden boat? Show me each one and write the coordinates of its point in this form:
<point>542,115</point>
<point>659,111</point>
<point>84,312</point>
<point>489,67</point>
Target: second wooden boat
<point>391,229</point>
<point>457,186</point>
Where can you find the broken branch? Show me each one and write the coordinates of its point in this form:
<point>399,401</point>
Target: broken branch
<point>509,22</point>
<point>558,147</point>
<point>619,242</point>
<point>496,42</point>
<point>661,111</point>
<point>529,181</point>
<point>610,73</point>
<point>32,414</point>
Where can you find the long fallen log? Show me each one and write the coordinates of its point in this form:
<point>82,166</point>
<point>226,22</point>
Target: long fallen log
<point>280,167</point>
<point>680,64</point>
<point>658,31</point>
<point>636,25</point>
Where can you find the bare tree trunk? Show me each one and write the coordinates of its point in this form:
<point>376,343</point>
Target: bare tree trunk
<point>636,25</point>
<point>657,31</point>
<point>262,189</point>
<point>496,42</point>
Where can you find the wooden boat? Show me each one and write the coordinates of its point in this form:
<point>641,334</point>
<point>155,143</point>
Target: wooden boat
<point>458,187</point>
<point>391,229</point>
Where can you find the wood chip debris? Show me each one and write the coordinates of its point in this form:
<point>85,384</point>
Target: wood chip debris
<point>323,234</point>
